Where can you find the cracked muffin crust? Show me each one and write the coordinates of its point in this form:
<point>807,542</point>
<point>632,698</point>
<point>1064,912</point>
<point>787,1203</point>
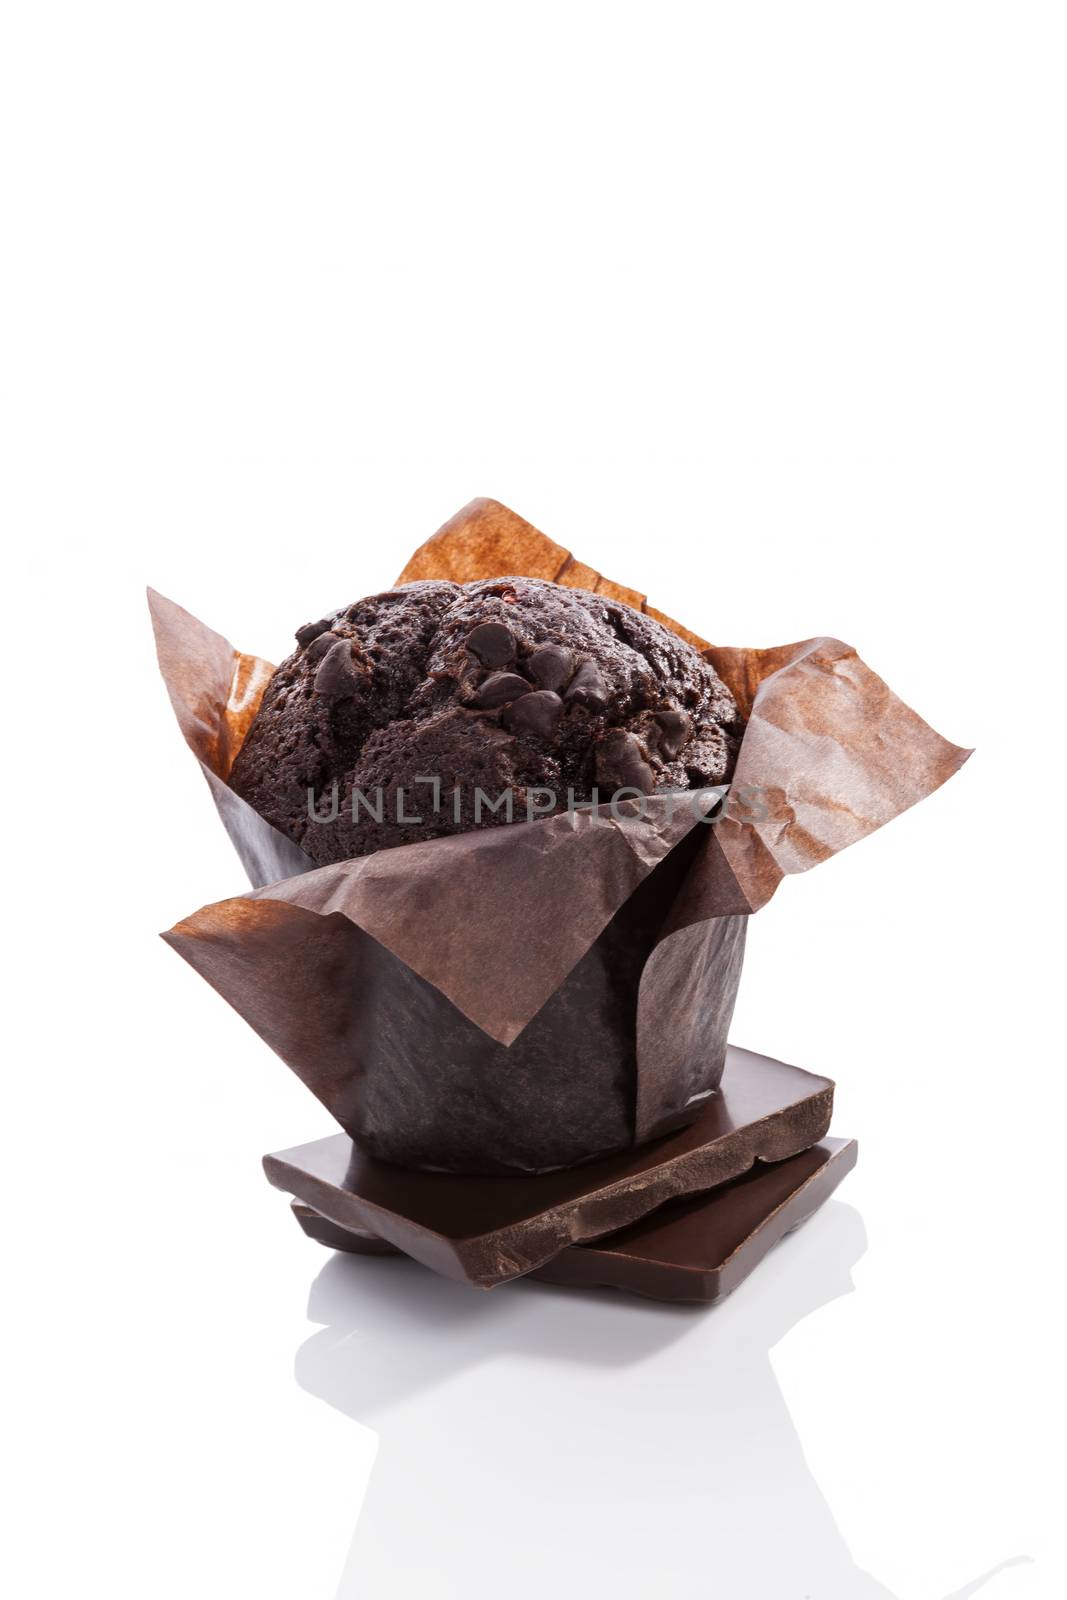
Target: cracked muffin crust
<point>512,685</point>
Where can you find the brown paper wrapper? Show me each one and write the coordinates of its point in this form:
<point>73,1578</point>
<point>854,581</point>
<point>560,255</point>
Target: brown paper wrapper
<point>537,994</point>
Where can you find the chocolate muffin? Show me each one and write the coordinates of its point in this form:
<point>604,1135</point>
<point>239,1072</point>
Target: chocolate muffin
<point>409,703</point>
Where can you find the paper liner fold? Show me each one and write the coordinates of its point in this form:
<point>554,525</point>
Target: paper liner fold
<point>215,691</point>
<point>830,754</point>
<point>486,540</point>
<point>478,915</point>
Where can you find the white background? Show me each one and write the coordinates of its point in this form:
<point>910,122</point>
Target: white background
<point>758,308</point>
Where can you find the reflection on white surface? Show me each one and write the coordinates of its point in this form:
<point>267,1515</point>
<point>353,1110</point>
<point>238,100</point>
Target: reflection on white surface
<point>979,1583</point>
<point>541,1439</point>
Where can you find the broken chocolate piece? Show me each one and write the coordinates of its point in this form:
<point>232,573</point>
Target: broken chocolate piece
<point>550,666</point>
<point>696,1252</point>
<point>492,643</point>
<point>621,764</point>
<point>498,689</point>
<point>536,713</point>
<point>690,1252</point>
<point>356,1241</point>
<point>487,1230</point>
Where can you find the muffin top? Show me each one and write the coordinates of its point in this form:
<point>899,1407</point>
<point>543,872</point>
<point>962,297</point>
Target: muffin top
<point>435,700</point>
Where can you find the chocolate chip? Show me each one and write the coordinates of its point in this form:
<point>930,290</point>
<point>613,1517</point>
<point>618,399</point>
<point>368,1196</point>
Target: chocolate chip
<point>311,630</point>
<point>492,643</point>
<point>587,687</point>
<point>675,728</point>
<point>620,763</point>
<point>550,666</point>
<point>536,713</point>
<point>337,676</point>
<point>498,689</point>
<point>320,647</point>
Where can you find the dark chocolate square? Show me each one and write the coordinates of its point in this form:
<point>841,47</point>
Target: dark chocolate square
<point>689,1252</point>
<point>486,1230</point>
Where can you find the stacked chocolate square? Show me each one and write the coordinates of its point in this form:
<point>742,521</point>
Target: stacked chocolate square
<point>683,1219</point>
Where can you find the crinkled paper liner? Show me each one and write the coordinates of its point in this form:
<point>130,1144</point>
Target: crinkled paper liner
<point>497,921</point>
